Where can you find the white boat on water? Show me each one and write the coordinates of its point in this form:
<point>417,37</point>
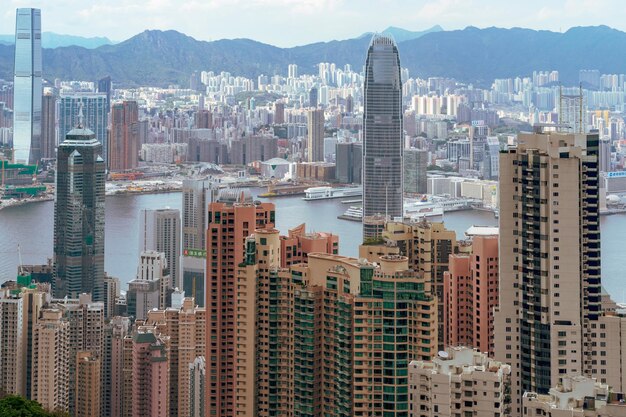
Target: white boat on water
<point>418,210</point>
<point>325,193</point>
<point>412,211</point>
<point>353,213</point>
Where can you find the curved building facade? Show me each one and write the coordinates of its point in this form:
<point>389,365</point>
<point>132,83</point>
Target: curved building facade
<point>382,133</point>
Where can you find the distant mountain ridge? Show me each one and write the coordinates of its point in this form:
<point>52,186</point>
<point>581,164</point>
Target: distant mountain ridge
<point>472,55</point>
<point>55,40</point>
<point>401,35</point>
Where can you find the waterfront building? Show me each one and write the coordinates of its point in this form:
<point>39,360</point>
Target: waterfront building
<point>123,138</point>
<point>197,195</point>
<point>48,126</point>
<point>415,166</point>
<point>27,87</point>
<point>349,162</point>
<point>471,293</point>
<point>550,291</point>
<point>87,385</point>
<point>575,396</point>
<point>382,133</point>
<point>185,327</point>
<point>253,148</point>
<point>79,216</point>
<point>160,231</point>
<point>151,288</point>
<point>51,357</point>
<point>225,250</point>
<point>315,138</point>
<point>460,381</point>
<point>95,110</point>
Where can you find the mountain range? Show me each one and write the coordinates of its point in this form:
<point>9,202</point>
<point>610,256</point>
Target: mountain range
<point>474,55</point>
<point>55,40</point>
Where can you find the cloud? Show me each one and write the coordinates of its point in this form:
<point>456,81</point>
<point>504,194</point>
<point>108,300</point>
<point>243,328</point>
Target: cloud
<point>294,22</point>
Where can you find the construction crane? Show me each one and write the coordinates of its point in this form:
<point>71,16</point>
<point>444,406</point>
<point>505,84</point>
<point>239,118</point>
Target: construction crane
<point>20,267</point>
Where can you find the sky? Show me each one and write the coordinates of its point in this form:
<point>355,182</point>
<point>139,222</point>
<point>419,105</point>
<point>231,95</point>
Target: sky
<point>287,23</point>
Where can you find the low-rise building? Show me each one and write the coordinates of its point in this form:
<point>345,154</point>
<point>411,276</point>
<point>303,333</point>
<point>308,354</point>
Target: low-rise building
<point>459,382</point>
<point>575,396</point>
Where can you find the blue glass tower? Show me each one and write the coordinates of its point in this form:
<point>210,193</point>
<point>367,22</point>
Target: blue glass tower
<point>27,87</point>
<point>382,133</point>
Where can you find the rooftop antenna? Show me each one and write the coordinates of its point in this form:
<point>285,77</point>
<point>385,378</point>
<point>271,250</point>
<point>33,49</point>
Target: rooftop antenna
<point>581,129</point>
<point>560,103</point>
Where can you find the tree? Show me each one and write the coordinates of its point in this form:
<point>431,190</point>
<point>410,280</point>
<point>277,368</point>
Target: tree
<point>16,406</point>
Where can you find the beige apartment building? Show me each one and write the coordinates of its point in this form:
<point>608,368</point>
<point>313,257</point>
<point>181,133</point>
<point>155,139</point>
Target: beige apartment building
<point>575,396</point>
<point>471,292</point>
<point>333,335</point>
<point>459,382</point>
<point>19,312</point>
<point>12,371</point>
<point>230,221</point>
<point>428,247</point>
<point>150,381</point>
<point>87,385</point>
<point>113,365</point>
<point>51,356</point>
<point>185,328</point>
<point>86,334</point>
<point>197,378</point>
<point>549,259</point>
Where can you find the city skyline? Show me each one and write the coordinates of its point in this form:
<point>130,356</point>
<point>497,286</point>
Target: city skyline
<point>115,19</point>
<point>240,306</point>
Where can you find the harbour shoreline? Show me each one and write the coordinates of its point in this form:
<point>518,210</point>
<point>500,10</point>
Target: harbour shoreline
<point>16,203</point>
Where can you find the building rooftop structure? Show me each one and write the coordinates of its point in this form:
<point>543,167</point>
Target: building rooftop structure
<point>461,359</point>
<point>576,396</point>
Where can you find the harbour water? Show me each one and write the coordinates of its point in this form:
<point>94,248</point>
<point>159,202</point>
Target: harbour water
<point>31,225</point>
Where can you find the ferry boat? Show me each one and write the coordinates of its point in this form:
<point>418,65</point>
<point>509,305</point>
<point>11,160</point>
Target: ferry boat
<point>325,193</point>
<point>412,212</point>
<point>354,213</point>
<point>418,210</point>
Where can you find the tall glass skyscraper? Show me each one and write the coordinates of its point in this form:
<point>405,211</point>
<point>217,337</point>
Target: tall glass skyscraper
<point>79,216</point>
<point>94,107</point>
<point>27,87</point>
<point>382,133</point>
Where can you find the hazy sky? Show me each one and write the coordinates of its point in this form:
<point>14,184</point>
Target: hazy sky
<point>297,22</point>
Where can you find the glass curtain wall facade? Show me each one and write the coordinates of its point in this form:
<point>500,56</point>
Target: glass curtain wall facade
<point>94,106</point>
<point>27,87</point>
<point>382,133</point>
<point>79,217</point>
